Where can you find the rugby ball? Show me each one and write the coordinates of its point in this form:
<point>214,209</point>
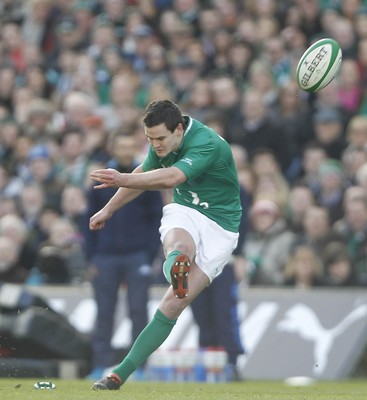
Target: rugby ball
<point>319,65</point>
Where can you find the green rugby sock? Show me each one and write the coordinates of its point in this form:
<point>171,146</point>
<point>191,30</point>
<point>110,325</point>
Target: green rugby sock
<point>167,265</point>
<point>150,338</point>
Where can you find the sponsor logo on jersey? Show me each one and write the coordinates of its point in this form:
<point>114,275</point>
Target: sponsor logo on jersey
<point>187,161</point>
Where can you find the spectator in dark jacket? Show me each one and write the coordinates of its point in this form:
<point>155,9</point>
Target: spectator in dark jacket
<point>215,309</point>
<point>122,254</point>
<point>258,130</point>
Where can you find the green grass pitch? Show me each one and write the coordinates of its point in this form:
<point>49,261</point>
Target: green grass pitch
<point>22,389</point>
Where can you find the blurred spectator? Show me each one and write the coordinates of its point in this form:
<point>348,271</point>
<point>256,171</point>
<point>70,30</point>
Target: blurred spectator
<point>328,99</point>
<point>215,309</point>
<point>74,205</point>
<point>342,30</point>
<point>35,78</point>
<point>316,232</point>
<point>303,269</point>
<point>13,46</point>
<point>77,106</point>
<point>156,68</point>
<point>350,90</point>
<point>356,131</point>
<point>110,64</point>
<point>95,139</point>
<point>10,186</point>
<point>10,131</point>
<point>313,156</point>
<point>20,166</point>
<point>21,99</point>
<point>122,107</point>
<point>226,101</point>
<point>262,80</point>
<point>329,132</point>
<point>37,29</point>
<point>124,256</point>
<point>8,205</point>
<point>300,199</point>
<point>200,103</point>
<point>259,130</point>
<point>62,73</point>
<point>210,21</point>
<point>188,11</point>
<point>114,10</point>
<point>11,271</point>
<point>271,183</point>
<point>60,258</point>
<point>85,78</point>
<point>142,39</point>
<point>362,62</point>
<point>72,164</point>
<point>268,244</point>
<point>42,172</point>
<point>361,176</point>
<point>351,194</point>
<point>338,266</point>
<point>8,75</point>
<point>353,159</point>
<point>102,38</point>
<point>360,19</point>
<point>12,226</point>
<point>31,203</point>
<point>239,155</point>
<point>276,53</point>
<point>311,17</point>
<point>248,179</point>
<point>353,229</point>
<point>68,36</point>
<point>220,328</point>
<point>179,37</point>
<point>240,56</point>
<point>222,41</point>
<point>47,216</point>
<point>39,120</point>
<point>11,10</point>
<point>294,114</point>
<point>183,73</point>
<point>83,12</point>
<point>229,13</point>
<point>331,188</point>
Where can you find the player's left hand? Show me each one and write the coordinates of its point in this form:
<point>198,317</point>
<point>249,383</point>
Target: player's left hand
<point>106,177</point>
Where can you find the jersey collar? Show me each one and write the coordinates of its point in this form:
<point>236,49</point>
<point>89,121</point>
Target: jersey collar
<point>188,127</point>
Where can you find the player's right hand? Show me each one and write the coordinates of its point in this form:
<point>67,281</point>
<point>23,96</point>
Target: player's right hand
<point>98,220</point>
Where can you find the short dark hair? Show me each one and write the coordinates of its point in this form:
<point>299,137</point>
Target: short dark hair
<point>163,112</point>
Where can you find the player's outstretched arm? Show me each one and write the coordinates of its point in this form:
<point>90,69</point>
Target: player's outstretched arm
<point>119,199</point>
<point>130,187</point>
<point>163,178</point>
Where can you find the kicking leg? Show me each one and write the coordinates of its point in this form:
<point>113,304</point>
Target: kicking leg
<point>156,332</point>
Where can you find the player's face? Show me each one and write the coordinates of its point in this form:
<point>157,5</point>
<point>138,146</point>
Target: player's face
<point>164,141</point>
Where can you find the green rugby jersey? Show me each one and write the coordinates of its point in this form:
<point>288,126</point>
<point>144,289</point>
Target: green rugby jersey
<point>212,185</point>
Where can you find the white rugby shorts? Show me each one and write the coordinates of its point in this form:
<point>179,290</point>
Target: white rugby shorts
<point>214,245</point>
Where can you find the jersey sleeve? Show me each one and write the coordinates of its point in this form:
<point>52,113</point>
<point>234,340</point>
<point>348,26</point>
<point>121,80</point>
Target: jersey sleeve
<point>197,160</point>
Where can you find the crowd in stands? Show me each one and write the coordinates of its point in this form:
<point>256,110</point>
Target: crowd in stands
<point>76,73</point>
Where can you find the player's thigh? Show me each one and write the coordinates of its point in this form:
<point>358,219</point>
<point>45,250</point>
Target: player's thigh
<point>216,247</point>
<point>179,230</point>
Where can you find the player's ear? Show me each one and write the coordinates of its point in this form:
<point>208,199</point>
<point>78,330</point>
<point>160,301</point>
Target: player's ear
<point>180,127</point>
